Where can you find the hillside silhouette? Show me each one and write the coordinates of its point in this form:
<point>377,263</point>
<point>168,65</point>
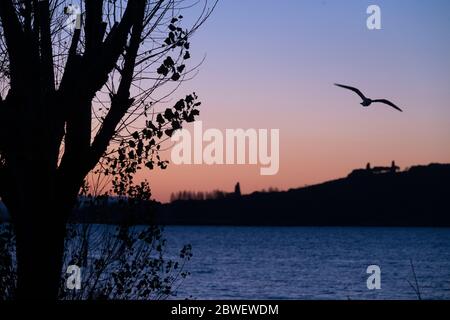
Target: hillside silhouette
<point>378,196</point>
<point>373,196</point>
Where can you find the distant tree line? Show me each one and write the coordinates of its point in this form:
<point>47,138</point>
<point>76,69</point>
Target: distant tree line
<point>213,195</point>
<point>192,195</point>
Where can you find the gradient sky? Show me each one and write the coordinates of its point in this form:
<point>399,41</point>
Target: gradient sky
<point>272,64</point>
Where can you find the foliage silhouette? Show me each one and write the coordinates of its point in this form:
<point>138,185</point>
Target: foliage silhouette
<point>119,263</point>
<point>79,105</point>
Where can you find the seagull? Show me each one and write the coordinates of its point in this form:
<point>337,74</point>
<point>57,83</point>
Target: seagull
<point>366,101</point>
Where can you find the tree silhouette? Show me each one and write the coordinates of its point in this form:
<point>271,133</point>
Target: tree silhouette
<point>77,99</point>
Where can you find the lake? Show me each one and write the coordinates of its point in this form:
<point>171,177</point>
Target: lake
<point>312,262</point>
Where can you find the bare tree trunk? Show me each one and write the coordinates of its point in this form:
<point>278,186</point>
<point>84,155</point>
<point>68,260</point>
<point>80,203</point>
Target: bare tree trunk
<point>40,226</point>
<point>40,203</point>
<point>39,258</point>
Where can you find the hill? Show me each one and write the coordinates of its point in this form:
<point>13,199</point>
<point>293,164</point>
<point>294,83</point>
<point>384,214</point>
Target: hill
<point>379,196</point>
<point>419,196</point>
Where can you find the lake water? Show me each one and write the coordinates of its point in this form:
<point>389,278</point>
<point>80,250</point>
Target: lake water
<point>312,263</point>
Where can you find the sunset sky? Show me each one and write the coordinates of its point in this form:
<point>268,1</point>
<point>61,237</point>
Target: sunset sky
<point>272,65</point>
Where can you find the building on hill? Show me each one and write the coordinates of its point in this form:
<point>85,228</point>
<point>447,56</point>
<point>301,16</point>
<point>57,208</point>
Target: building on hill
<point>369,170</point>
<point>394,167</point>
<point>237,190</point>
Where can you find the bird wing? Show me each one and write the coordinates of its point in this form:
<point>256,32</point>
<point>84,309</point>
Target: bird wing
<point>352,89</point>
<point>388,103</point>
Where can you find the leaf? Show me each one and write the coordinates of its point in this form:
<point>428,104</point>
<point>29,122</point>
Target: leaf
<point>180,69</point>
<point>190,118</point>
<point>151,126</point>
<point>160,119</point>
<point>192,114</point>
<point>168,41</point>
<point>162,70</point>
<point>149,165</point>
<point>163,166</point>
<point>176,125</point>
<point>168,62</point>
<point>172,37</point>
<point>169,132</point>
<point>168,114</point>
<point>189,99</point>
<point>179,105</point>
<point>176,76</point>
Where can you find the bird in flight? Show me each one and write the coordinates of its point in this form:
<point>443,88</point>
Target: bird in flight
<point>366,101</point>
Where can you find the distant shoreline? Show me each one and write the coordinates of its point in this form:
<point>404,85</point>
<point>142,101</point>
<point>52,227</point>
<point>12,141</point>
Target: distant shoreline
<point>371,197</point>
<point>379,196</point>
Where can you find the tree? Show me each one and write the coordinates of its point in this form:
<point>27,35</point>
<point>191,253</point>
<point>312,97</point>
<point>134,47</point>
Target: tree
<point>77,101</point>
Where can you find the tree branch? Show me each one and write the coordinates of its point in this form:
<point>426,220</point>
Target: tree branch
<point>93,28</point>
<point>121,101</point>
<point>78,156</point>
<point>47,72</point>
<point>14,37</point>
